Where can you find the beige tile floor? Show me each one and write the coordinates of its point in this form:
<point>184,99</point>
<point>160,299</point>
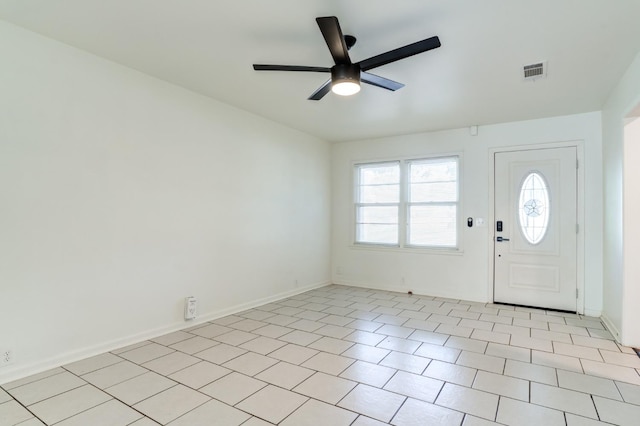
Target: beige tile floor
<point>349,356</point>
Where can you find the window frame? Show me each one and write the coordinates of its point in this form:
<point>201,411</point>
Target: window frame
<point>357,204</point>
<point>409,203</point>
<point>403,212</point>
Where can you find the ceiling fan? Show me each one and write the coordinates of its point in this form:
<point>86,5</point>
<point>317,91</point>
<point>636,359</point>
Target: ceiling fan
<point>345,75</point>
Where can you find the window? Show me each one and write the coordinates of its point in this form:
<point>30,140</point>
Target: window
<point>378,203</point>
<point>409,203</point>
<point>533,208</point>
<point>432,202</point>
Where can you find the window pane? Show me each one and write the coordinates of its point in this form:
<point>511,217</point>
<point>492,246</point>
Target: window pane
<point>380,194</point>
<point>375,174</point>
<point>377,234</point>
<point>432,226</point>
<point>434,170</point>
<point>434,192</point>
<point>378,214</point>
<point>433,180</point>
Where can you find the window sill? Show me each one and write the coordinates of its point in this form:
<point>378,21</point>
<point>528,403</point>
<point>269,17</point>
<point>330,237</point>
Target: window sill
<point>408,249</point>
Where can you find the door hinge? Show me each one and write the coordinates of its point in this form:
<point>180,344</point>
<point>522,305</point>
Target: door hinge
<point>577,228</point>
<point>577,293</point>
<point>577,164</point>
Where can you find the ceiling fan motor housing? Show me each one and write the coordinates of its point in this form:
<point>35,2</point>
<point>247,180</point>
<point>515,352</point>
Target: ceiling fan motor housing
<point>341,73</point>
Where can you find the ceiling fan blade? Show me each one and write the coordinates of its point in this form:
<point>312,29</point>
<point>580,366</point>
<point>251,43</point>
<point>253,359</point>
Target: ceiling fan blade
<point>332,34</point>
<point>322,90</point>
<point>400,53</point>
<point>261,67</point>
<point>378,81</point>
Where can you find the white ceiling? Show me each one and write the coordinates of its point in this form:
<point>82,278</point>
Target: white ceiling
<point>208,46</point>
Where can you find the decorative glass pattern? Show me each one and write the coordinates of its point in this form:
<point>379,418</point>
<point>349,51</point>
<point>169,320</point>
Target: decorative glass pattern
<point>533,208</point>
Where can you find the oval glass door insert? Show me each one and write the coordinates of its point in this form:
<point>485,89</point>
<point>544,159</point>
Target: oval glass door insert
<point>533,207</point>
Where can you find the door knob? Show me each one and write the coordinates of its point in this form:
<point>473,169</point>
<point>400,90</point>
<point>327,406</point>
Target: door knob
<point>500,239</point>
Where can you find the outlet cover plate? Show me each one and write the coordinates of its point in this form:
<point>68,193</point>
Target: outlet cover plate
<point>190,308</point>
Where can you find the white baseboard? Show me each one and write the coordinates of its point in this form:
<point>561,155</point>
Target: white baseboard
<point>417,292</point>
<point>592,313</point>
<point>612,328</point>
<point>11,373</point>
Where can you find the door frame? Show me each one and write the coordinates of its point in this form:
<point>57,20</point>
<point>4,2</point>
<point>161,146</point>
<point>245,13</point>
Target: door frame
<point>580,261</point>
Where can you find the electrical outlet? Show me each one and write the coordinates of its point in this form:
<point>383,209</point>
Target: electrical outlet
<point>6,357</point>
<point>190,308</point>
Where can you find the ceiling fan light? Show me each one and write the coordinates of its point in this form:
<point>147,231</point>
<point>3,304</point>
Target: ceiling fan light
<point>345,79</point>
<point>345,88</point>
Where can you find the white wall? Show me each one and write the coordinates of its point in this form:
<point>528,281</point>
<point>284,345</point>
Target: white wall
<point>623,98</point>
<point>631,275</point>
<point>466,275</point>
<point>121,194</point>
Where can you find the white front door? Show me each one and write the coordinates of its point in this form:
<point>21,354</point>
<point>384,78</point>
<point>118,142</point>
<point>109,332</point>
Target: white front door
<point>535,241</point>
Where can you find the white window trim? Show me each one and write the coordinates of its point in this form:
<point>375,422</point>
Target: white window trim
<point>402,231</point>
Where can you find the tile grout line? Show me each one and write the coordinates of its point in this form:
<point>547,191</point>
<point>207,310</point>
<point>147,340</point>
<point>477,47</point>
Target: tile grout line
<point>24,406</point>
<point>596,407</point>
<point>419,342</point>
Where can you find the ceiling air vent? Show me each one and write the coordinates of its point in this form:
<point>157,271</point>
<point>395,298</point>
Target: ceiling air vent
<point>535,71</point>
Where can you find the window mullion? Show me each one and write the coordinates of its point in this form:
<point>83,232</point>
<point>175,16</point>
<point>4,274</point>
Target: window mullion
<point>356,195</point>
<point>402,206</point>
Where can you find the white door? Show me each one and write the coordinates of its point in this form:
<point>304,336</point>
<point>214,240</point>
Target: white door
<point>535,241</point>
